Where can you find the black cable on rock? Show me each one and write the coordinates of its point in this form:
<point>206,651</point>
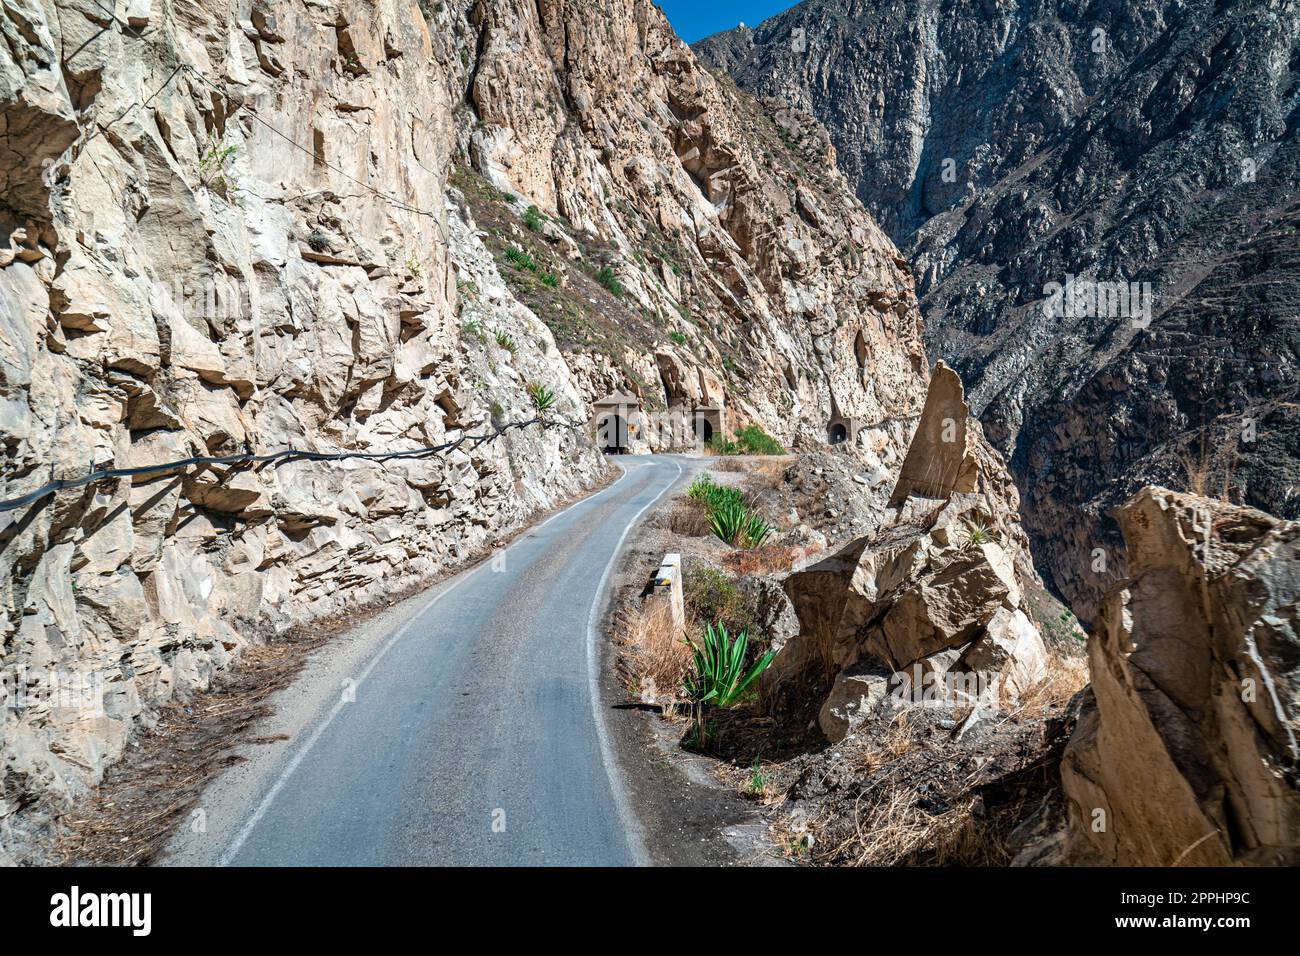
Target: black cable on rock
<point>279,457</point>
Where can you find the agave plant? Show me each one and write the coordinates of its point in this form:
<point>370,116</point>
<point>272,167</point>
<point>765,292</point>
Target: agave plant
<point>976,533</point>
<point>755,530</point>
<point>543,398</point>
<point>728,520</point>
<point>719,677</point>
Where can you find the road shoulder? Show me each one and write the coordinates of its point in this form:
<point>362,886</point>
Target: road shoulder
<point>689,816</point>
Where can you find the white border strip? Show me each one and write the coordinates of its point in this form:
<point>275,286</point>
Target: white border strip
<point>632,828</point>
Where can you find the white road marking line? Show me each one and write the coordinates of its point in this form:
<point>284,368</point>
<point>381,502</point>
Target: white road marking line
<point>631,826</point>
<point>251,824</point>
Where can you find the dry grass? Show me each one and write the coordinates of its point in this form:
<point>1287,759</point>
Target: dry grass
<point>898,740</point>
<point>955,819</point>
<point>763,470</point>
<point>1066,676</point>
<point>688,519</point>
<point>771,559</point>
<point>658,656</point>
<point>1210,471</point>
<point>890,829</point>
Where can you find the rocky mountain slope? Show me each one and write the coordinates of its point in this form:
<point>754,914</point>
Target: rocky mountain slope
<point>253,225</point>
<point>1009,146</point>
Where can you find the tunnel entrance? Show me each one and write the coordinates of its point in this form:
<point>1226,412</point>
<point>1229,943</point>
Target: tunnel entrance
<point>837,434</point>
<point>617,416</point>
<point>613,435</point>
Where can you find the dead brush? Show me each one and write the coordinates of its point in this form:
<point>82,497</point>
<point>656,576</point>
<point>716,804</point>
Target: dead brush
<point>763,471</point>
<point>689,520</point>
<point>1209,461</point>
<point>660,658</point>
<point>1066,676</point>
<point>898,740</point>
<point>890,829</point>
<point>771,559</point>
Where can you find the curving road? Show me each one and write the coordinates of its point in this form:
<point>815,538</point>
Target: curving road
<point>461,727</point>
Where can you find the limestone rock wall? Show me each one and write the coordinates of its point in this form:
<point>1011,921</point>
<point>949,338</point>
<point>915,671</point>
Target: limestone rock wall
<point>724,217</point>
<point>235,238</point>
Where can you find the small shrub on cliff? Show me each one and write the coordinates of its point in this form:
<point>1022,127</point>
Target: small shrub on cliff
<point>506,342</point>
<point>755,441</point>
<point>533,218</point>
<point>521,259</point>
<point>712,596</point>
<point>610,281</point>
<point>543,398</point>
<point>214,163</point>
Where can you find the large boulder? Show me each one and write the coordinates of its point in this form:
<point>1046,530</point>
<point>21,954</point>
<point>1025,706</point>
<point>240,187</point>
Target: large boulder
<point>1186,752</point>
<point>927,609</point>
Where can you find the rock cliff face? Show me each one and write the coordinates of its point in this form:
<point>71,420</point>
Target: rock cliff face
<point>251,225</point>
<point>1010,145</point>
<point>927,610</point>
<point>1185,749</point>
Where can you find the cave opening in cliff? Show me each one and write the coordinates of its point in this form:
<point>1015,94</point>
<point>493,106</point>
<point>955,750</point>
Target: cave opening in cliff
<point>837,434</point>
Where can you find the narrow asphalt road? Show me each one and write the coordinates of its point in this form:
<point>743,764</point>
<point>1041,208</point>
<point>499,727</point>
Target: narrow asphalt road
<point>469,732</point>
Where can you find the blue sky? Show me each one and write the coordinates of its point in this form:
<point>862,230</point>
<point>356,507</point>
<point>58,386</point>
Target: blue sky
<point>695,19</point>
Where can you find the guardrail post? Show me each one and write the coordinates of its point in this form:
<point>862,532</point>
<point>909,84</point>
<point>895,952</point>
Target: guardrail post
<point>666,589</point>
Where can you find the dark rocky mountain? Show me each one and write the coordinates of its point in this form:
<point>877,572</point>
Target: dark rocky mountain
<point>1010,145</point>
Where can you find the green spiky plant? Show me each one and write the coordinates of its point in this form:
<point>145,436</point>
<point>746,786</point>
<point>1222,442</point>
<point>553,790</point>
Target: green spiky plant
<point>543,397</point>
<point>977,533</point>
<point>755,530</point>
<point>730,516</point>
<point>521,259</point>
<point>719,677</point>
<point>727,520</point>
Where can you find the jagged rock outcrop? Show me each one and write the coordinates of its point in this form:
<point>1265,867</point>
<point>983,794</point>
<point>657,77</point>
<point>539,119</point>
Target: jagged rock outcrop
<point>1185,750</point>
<point>249,225</point>
<point>927,611</point>
<point>1008,146</point>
